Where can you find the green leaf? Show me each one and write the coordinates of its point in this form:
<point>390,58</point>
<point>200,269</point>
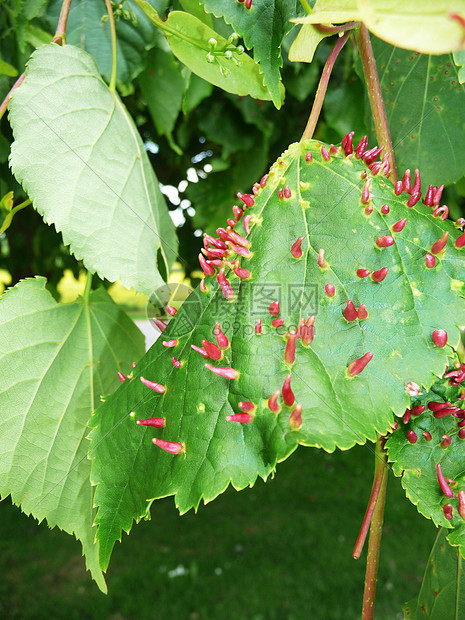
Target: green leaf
<point>162,86</point>
<point>36,36</point>
<point>442,593</point>
<point>424,103</point>
<point>337,411</point>
<point>189,39</point>
<point>416,463</point>
<point>344,107</point>
<point>425,27</point>
<point>104,197</point>
<point>7,69</point>
<point>304,47</point>
<point>56,361</point>
<point>195,8</point>
<point>85,29</point>
<point>459,59</point>
<point>263,28</point>
<point>196,91</point>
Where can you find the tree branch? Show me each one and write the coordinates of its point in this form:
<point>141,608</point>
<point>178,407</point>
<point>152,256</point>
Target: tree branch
<point>375,96</point>
<point>322,86</point>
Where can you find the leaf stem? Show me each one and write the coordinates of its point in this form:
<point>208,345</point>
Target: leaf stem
<point>114,49</point>
<point>88,287</point>
<point>306,6</point>
<point>376,530</point>
<point>6,101</point>
<point>9,216</point>
<point>322,86</point>
<point>58,38</point>
<point>375,96</point>
<point>335,29</point>
<point>60,32</point>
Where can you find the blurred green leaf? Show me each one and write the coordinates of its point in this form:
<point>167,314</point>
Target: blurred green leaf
<point>442,593</point>
<point>7,69</point>
<point>344,106</point>
<point>197,90</point>
<point>162,86</point>
<point>459,59</point>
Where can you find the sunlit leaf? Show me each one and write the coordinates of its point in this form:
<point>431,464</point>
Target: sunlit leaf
<point>55,362</point>
<point>79,157</point>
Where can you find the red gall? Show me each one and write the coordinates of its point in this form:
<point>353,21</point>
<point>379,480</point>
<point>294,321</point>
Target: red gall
<point>440,244</point>
<point>243,418</point>
<point>330,290</point>
<point>378,276</point>
<point>349,312</point>
<point>296,249</point>
<point>445,488</point>
<point>213,351</point>
<point>156,387</point>
<point>357,366</point>
<point>246,406</point>
<point>221,338</point>
<point>155,422</point>
<point>430,261</point>
<point>273,402</point>
<point>172,447</point>
<point>439,337</point>
<point>398,226</point>
<point>385,241</point>
<point>288,394</point>
<point>274,308</point>
<point>295,419</point>
<point>227,373</point>
<point>412,436</point>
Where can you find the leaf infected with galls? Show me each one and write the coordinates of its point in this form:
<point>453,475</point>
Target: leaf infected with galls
<point>348,343</point>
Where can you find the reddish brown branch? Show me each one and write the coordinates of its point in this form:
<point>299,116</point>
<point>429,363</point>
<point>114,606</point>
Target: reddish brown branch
<point>375,96</point>
<point>322,86</point>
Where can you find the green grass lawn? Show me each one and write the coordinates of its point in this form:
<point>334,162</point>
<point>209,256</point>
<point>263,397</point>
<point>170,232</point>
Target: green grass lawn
<point>279,551</point>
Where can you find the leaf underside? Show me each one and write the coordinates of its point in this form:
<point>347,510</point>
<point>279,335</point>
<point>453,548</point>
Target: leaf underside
<point>325,209</point>
<point>424,102</point>
<point>426,27</point>
<point>82,162</point>
<point>56,360</point>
